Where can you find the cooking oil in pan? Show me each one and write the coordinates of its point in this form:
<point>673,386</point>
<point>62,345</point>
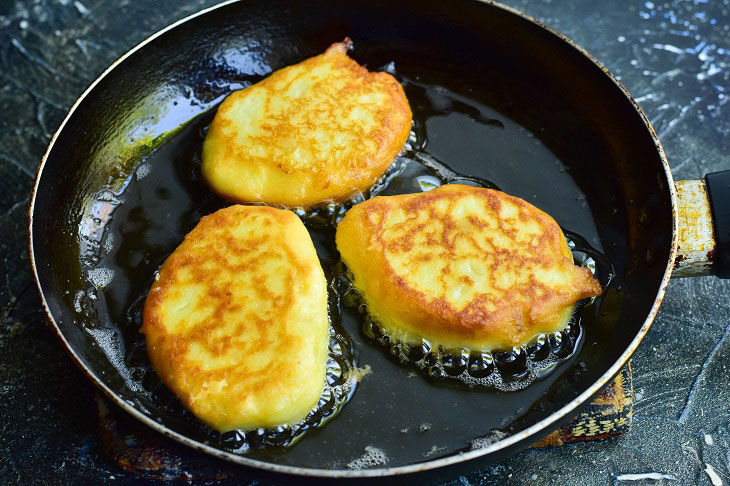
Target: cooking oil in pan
<point>138,234</point>
<point>166,197</point>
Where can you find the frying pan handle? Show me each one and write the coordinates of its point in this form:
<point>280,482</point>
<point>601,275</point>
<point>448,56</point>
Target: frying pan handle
<point>703,208</point>
<point>718,188</point>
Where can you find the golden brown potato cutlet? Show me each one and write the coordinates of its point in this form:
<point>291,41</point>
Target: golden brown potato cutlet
<point>321,130</point>
<point>236,324</point>
<point>462,267</point>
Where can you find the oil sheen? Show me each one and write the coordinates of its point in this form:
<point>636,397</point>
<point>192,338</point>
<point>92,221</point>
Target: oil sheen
<point>453,139</point>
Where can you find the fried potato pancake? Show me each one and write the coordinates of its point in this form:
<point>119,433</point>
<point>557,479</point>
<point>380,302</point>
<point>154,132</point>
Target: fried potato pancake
<point>317,131</point>
<point>462,267</point>
<point>236,324</point>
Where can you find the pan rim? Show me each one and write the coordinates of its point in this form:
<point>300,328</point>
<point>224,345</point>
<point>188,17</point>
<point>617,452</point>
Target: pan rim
<point>522,435</point>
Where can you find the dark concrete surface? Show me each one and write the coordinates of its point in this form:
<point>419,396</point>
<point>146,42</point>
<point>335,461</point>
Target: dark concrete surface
<point>673,56</point>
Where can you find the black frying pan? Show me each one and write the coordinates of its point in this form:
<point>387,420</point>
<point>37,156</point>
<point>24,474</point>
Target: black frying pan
<point>495,95</point>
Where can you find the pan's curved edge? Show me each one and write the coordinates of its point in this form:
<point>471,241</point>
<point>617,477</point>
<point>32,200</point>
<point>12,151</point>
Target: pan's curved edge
<point>521,436</point>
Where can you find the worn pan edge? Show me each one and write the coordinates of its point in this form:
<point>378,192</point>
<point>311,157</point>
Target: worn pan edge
<point>521,436</point>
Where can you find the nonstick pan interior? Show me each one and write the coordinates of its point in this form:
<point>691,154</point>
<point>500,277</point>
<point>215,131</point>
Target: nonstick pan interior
<point>495,96</point>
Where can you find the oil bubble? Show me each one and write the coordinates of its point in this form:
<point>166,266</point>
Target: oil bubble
<point>372,457</point>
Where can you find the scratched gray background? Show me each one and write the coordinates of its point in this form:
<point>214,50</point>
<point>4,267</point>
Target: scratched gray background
<point>673,56</point>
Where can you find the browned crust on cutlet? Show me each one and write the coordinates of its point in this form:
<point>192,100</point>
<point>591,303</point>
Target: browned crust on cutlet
<point>203,258</point>
<point>203,272</point>
<point>509,318</point>
<point>328,177</point>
